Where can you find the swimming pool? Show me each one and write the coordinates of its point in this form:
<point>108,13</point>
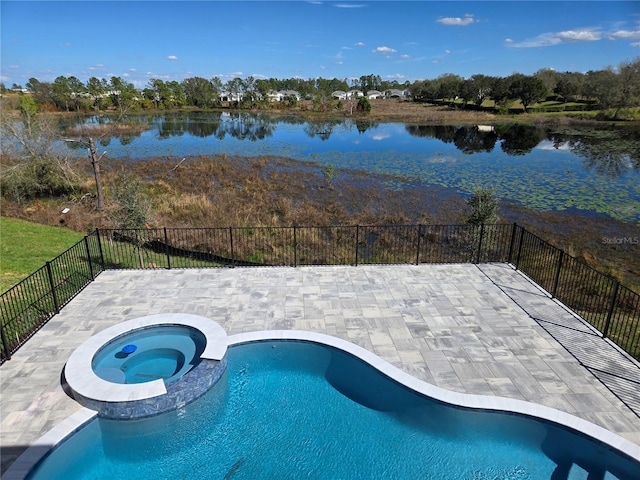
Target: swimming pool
<point>311,406</point>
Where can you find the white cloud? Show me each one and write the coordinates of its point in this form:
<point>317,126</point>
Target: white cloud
<point>544,40</point>
<point>457,21</point>
<point>405,56</point>
<point>635,44</point>
<point>358,44</point>
<point>626,34</point>
<point>349,5</point>
<point>447,51</point>
<point>579,36</point>
<point>573,36</point>
<point>385,50</point>
<point>172,57</point>
<point>509,40</point>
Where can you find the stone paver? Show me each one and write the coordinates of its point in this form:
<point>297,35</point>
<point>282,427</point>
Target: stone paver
<point>474,329</point>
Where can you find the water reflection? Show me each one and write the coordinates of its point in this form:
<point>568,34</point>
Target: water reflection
<point>537,166</point>
<point>242,126</point>
<point>322,129</point>
<point>520,139</point>
<point>469,139</point>
<point>609,152</point>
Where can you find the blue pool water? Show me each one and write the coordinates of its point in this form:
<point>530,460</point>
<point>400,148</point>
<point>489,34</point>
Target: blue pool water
<point>292,410</point>
<point>162,352</point>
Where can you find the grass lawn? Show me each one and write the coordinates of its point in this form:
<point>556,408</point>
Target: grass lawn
<point>26,246</point>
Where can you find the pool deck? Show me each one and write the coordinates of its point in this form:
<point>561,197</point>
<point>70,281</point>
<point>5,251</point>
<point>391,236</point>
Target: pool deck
<point>481,329</point>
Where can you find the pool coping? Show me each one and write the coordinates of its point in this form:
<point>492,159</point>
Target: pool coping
<point>36,452</point>
<point>83,380</point>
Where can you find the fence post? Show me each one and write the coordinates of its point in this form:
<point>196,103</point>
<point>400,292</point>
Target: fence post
<point>100,249</point>
<point>614,299</point>
<point>513,241</point>
<point>556,278</point>
<point>520,247</point>
<point>53,288</point>
<point>166,248</point>
<point>295,247</point>
<point>233,261</point>
<point>5,343</point>
<point>480,243</point>
<point>357,240</point>
<point>418,246</point>
<point>86,246</point>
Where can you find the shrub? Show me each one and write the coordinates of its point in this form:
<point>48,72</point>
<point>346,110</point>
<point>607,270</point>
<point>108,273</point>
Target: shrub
<point>364,105</point>
<point>36,178</point>
<point>133,208</point>
<point>482,207</point>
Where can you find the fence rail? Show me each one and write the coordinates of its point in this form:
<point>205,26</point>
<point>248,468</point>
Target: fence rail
<point>610,307</point>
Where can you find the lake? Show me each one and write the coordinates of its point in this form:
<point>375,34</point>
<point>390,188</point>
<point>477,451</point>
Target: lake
<point>594,171</point>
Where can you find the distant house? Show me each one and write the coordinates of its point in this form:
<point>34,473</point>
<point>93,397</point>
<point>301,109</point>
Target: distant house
<point>282,95</point>
<point>230,96</point>
<point>373,94</point>
<point>340,95</point>
<point>396,93</point>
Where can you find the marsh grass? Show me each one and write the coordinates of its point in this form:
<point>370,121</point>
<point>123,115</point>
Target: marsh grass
<point>225,190</point>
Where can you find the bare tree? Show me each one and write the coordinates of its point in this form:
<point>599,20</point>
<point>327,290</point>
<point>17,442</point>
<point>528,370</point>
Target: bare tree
<point>95,160</point>
<point>87,140</point>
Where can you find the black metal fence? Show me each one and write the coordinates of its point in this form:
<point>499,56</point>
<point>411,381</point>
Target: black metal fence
<point>601,300</point>
<point>32,302</point>
<point>609,306</point>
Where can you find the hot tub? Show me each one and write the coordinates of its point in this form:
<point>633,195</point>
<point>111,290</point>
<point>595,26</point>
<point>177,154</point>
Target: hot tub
<point>147,366</point>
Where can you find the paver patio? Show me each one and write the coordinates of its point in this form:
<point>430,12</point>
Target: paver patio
<point>482,329</point>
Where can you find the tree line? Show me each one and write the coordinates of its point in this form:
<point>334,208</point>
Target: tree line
<point>71,94</point>
<point>604,89</point>
<point>610,88</point>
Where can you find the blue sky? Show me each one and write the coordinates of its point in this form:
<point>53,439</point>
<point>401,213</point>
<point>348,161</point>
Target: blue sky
<point>173,40</point>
